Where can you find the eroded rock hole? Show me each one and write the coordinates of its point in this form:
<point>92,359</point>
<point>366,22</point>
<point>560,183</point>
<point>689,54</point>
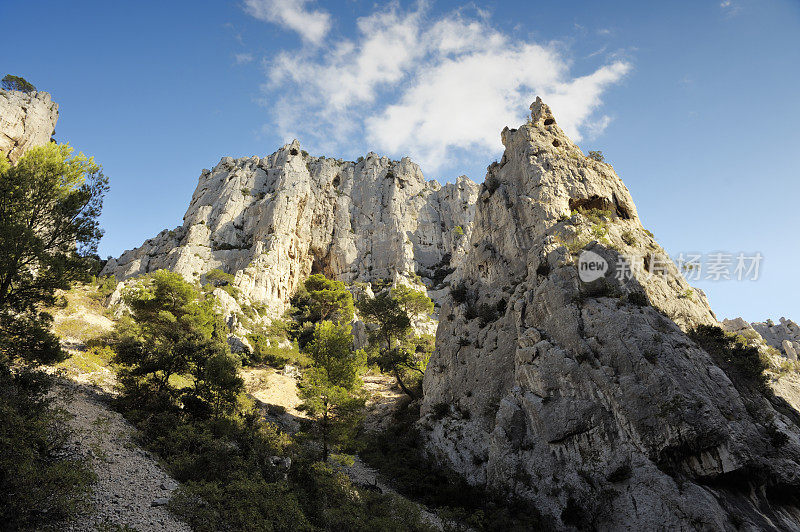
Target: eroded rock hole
<point>587,204</point>
<point>336,181</point>
<point>293,151</point>
<point>549,121</point>
<point>556,143</point>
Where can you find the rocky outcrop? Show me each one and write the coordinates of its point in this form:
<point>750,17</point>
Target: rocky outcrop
<point>783,336</point>
<point>26,120</point>
<point>563,372</point>
<point>273,221</point>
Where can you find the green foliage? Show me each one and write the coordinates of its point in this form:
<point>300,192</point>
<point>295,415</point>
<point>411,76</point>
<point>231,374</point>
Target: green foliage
<point>38,483</point>
<point>413,302</point>
<point>742,362</point>
<point>105,286</point>
<point>595,216</point>
<point>596,155</point>
<point>332,351</point>
<point>219,278</point>
<point>173,331</point>
<point>628,237</point>
<point>264,352</point>
<point>245,191</point>
<point>17,83</point>
<point>337,410</point>
<point>391,338</point>
<point>322,299</point>
<point>331,388</point>
<point>459,293</point>
<point>242,504</point>
<point>49,205</point>
<point>458,230</point>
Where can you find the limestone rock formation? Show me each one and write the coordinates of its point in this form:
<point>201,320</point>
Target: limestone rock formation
<point>785,336</point>
<point>587,397</point>
<point>26,120</point>
<point>273,221</point>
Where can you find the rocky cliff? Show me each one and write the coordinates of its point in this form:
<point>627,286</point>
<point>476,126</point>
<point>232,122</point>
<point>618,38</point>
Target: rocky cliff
<point>26,120</point>
<point>783,336</point>
<point>564,374</point>
<point>273,221</point>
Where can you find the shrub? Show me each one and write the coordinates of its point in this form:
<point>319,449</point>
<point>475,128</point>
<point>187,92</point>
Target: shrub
<point>105,287</point>
<point>639,299</point>
<point>742,362</point>
<point>488,314</point>
<point>596,156</point>
<point>17,83</point>
<point>459,293</point>
<point>628,237</point>
<point>458,230</point>
<point>219,278</point>
<point>39,484</point>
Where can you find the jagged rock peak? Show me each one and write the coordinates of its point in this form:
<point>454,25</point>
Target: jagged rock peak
<point>27,119</point>
<point>272,221</point>
<point>582,391</point>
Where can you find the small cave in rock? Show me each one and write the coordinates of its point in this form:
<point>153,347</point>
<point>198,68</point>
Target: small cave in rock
<point>599,203</point>
<point>549,121</point>
<point>593,202</point>
<point>556,143</point>
<point>293,151</point>
<point>336,181</point>
<point>318,266</point>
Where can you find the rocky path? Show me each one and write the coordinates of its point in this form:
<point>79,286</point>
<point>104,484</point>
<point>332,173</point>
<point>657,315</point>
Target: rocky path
<point>131,489</point>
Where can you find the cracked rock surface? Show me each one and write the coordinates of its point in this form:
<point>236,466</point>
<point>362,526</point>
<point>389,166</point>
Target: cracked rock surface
<point>589,399</point>
<point>272,221</point>
<point>26,120</point>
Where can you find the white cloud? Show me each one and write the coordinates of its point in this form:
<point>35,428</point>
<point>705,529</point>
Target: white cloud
<point>312,26</point>
<point>242,59</point>
<point>409,85</point>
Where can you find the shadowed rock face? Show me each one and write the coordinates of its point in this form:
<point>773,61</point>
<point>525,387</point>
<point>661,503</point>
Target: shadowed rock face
<point>589,399</point>
<point>26,120</point>
<point>274,221</point>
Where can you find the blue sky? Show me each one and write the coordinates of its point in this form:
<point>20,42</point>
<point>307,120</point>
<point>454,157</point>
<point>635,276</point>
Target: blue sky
<point>694,103</point>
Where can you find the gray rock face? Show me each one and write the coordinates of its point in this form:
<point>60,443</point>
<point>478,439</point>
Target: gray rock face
<point>274,221</point>
<point>588,398</point>
<point>784,336</point>
<point>26,120</point>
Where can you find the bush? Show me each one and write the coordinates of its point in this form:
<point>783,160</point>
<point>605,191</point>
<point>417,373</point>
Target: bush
<point>38,483</point>
<point>743,363</point>
<point>597,156</point>
<point>459,293</point>
<point>105,287</point>
<point>639,299</point>
<point>17,83</point>
<point>488,314</point>
<point>219,278</point>
<point>244,504</point>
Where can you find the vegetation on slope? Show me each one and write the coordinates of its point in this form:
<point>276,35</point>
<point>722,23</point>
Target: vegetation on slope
<point>49,204</point>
